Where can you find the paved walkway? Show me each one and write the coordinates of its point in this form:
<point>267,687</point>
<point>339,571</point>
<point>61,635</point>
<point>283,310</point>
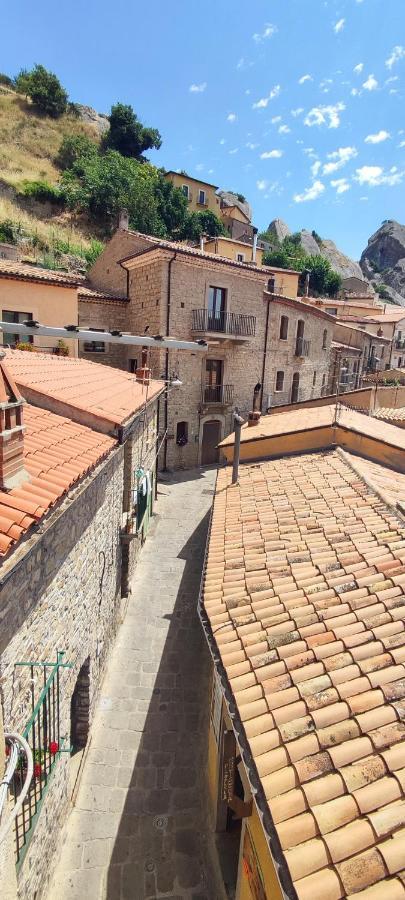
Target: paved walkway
<point>139,827</point>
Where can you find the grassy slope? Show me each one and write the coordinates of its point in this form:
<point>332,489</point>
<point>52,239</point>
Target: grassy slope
<point>28,146</point>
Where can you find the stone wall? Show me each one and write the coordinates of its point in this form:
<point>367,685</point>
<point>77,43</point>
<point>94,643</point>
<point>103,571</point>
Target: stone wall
<point>61,591</point>
<point>313,370</point>
<point>106,314</point>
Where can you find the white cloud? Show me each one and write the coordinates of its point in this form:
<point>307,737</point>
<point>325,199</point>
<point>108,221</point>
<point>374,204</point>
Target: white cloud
<point>325,115</point>
<point>339,159</point>
<point>397,54</point>
<point>359,68</point>
<point>264,101</point>
<point>392,79</point>
<point>284,129</point>
<point>198,88</point>
<point>354,92</point>
<point>267,32</point>
<point>339,26</point>
<point>370,84</point>
<point>377,138</point>
<point>324,85</point>
<point>231,117</point>
<point>271,154</point>
<point>402,144</point>
<point>275,119</point>
<point>235,150</point>
<point>341,185</point>
<point>311,193</point>
<point>305,78</point>
<point>261,184</point>
<point>315,168</point>
<point>297,112</point>
<point>251,146</point>
<point>375,176</point>
<point>199,167</point>
<point>222,141</point>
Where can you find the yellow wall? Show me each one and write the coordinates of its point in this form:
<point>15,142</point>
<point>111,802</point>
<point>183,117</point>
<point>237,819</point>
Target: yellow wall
<point>212,201</point>
<point>234,213</point>
<point>230,249</point>
<point>50,304</point>
<point>280,445</point>
<point>261,847</point>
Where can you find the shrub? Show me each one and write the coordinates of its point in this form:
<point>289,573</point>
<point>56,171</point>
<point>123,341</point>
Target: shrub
<point>317,238</point>
<point>7,232</point>
<point>203,222</point>
<point>5,79</point>
<point>73,148</point>
<point>62,349</point>
<point>382,291</point>
<point>45,90</point>
<point>41,191</point>
<point>93,252</point>
<point>25,345</point>
<point>127,134</point>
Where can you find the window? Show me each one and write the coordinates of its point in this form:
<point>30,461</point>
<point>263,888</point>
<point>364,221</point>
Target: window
<point>271,284</point>
<point>314,379</point>
<point>295,387</point>
<point>240,257</point>
<point>279,381</point>
<point>399,362</point>
<point>382,352</point>
<point>201,198</point>
<point>213,381</point>
<point>133,365</point>
<point>182,433</point>
<point>324,338</point>
<point>333,310</point>
<point>9,337</point>
<point>323,384</point>
<point>283,328</point>
<point>186,190</point>
<point>94,346</point>
<point>216,308</point>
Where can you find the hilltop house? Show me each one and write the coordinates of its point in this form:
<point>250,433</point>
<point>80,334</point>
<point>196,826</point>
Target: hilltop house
<point>78,446</point>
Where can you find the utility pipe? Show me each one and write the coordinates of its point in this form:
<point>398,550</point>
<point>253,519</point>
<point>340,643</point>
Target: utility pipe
<point>238,422</point>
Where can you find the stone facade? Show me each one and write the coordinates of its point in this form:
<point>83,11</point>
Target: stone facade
<point>112,314</point>
<point>168,275</point>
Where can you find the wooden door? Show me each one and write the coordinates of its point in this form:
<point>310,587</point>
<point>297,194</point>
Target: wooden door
<point>210,440</point>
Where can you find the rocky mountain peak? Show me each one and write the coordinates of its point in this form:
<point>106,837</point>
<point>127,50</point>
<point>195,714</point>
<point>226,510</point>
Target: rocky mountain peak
<point>279,229</point>
<point>383,261</point>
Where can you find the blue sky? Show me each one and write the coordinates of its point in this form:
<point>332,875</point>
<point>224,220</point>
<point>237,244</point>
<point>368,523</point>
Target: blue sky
<point>298,104</point>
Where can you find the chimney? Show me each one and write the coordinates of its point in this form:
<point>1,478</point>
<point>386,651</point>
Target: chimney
<point>143,374</point>
<point>12,471</point>
<point>254,248</point>
<point>123,220</point>
<point>202,236</point>
<point>254,415</point>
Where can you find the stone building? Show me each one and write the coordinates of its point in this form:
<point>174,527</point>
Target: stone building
<point>78,447</point>
<point>256,328</point>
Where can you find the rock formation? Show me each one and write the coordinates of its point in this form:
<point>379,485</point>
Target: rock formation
<point>383,261</point>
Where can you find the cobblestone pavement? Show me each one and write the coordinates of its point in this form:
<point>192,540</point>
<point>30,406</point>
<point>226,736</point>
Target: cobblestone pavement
<point>139,827</point>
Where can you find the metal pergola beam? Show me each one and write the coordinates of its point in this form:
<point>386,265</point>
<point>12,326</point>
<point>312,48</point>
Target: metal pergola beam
<point>68,334</point>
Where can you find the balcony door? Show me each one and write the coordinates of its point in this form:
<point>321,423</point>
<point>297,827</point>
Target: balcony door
<point>213,380</point>
<point>216,309</point>
<point>295,387</point>
<point>300,337</point>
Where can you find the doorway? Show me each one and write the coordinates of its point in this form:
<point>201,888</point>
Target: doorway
<point>79,722</point>
<point>216,308</point>
<point>295,387</point>
<point>213,381</point>
<point>211,437</point>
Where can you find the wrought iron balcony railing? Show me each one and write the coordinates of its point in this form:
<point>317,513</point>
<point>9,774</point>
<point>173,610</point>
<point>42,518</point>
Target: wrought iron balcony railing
<point>302,347</point>
<point>218,393</point>
<point>234,324</point>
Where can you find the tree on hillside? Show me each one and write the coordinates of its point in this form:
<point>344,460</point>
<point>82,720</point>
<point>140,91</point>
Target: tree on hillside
<point>73,148</point>
<point>203,222</point>
<point>127,134</point>
<point>172,207</point>
<point>290,255</point>
<point>45,90</point>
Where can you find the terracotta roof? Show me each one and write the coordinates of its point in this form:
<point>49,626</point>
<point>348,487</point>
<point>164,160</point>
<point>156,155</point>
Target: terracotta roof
<point>159,244</point>
<point>389,483</point>
<point>106,393</point>
<point>12,269</point>
<point>337,345</point>
<point>394,315</point>
<point>190,178</point>
<point>57,453</point>
<point>303,600</point>
<point>390,414</point>
<point>86,292</point>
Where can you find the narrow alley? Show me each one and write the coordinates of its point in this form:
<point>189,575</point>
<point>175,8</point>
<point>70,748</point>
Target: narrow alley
<point>138,829</point>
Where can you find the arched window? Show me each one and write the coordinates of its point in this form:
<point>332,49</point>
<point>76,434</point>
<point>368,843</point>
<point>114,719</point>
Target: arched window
<point>295,387</point>
<point>182,433</point>
<point>314,379</point>
<point>279,381</point>
<point>324,338</point>
<point>283,328</point>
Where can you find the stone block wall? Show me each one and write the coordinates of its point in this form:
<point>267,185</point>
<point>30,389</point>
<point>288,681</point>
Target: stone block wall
<point>313,370</point>
<point>106,314</point>
<point>61,591</point>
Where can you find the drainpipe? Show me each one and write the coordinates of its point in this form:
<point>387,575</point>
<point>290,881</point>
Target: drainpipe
<point>266,333</point>
<point>237,422</point>
<point>168,302</point>
<point>254,248</point>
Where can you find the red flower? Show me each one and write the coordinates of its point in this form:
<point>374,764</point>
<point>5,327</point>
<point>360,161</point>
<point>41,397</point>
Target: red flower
<point>37,770</point>
<point>53,747</point>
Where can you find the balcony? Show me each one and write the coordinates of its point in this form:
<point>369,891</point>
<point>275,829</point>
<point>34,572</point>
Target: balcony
<point>302,347</point>
<point>225,325</point>
<point>217,394</point>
